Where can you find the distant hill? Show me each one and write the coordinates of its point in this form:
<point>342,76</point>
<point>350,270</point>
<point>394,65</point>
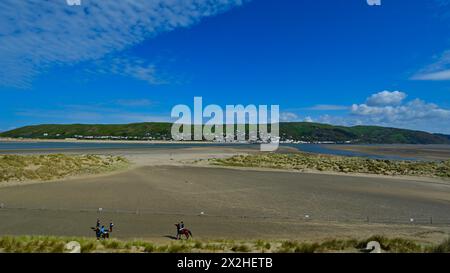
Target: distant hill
<point>157,130</point>
<point>358,134</point>
<point>299,131</point>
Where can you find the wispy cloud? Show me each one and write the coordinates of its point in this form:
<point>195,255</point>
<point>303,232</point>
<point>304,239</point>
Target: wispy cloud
<point>288,116</point>
<point>93,113</point>
<point>433,76</point>
<point>439,70</point>
<point>134,102</point>
<point>327,107</point>
<point>293,117</point>
<point>36,36</point>
<point>439,67</point>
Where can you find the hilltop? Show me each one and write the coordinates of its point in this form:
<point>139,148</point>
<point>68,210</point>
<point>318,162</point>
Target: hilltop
<point>295,131</point>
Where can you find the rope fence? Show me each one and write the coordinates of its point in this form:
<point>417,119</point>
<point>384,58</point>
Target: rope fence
<point>413,220</point>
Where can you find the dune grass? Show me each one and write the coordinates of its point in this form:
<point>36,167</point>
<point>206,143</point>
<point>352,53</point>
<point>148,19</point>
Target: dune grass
<point>305,161</point>
<point>443,247</point>
<point>52,244</point>
<point>55,166</point>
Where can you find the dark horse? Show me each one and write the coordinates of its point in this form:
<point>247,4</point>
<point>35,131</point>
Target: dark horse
<point>186,232</point>
<point>102,235</point>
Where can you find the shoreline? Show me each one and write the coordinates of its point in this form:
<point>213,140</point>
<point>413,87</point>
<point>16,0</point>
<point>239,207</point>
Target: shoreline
<point>36,140</point>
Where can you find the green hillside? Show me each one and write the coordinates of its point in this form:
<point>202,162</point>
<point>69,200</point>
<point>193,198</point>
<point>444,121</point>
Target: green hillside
<point>157,130</point>
<point>299,131</point>
<point>359,134</point>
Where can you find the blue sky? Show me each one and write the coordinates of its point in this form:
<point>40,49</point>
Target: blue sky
<point>331,61</point>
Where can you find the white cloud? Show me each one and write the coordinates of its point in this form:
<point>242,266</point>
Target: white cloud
<point>291,117</point>
<point>433,76</point>
<point>37,35</point>
<point>288,116</point>
<point>409,112</point>
<point>385,98</point>
<point>393,110</point>
<point>439,70</point>
<point>415,114</point>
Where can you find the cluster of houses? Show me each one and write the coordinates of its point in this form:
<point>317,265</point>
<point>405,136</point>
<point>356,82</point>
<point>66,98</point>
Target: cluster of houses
<point>292,141</point>
<point>217,138</point>
<point>120,137</point>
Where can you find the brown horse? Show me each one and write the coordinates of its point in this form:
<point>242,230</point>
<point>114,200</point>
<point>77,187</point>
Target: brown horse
<point>186,232</point>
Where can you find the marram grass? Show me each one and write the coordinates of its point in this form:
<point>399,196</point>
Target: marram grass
<point>341,164</point>
<point>52,244</point>
<point>55,166</point>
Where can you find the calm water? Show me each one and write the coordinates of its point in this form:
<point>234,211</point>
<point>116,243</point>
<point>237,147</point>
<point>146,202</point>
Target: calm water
<point>11,147</point>
<point>20,146</point>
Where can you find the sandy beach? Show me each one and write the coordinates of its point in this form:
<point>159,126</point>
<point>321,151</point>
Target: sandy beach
<point>164,186</point>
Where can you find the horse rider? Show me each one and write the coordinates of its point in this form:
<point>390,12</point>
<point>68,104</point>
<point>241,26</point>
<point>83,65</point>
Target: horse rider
<point>181,225</point>
<point>102,230</point>
<point>98,223</point>
<point>97,233</point>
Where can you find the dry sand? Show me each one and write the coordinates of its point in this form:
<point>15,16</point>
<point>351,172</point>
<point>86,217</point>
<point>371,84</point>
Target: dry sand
<point>166,185</point>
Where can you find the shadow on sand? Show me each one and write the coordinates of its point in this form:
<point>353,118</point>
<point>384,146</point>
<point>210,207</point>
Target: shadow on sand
<point>170,237</point>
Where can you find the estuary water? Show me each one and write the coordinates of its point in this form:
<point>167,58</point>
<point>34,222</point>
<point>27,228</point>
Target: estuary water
<point>9,147</point>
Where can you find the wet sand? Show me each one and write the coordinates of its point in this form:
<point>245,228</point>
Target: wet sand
<point>146,200</point>
<point>422,152</point>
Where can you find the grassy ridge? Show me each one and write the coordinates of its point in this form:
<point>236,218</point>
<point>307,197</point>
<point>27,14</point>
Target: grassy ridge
<point>45,244</point>
<point>304,161</point>
<point>57,131</point>
<point>55,166</point>
<point>300,131</point>
<point>358,134</point>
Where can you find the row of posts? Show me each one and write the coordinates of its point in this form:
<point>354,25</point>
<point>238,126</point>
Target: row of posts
<point>306,216</point>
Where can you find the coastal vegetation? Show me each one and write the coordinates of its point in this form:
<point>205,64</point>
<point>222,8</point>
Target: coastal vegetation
<point>55,166</point>
<point>46,244</point>
<point>289,131</point>
<point>340,164</point>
